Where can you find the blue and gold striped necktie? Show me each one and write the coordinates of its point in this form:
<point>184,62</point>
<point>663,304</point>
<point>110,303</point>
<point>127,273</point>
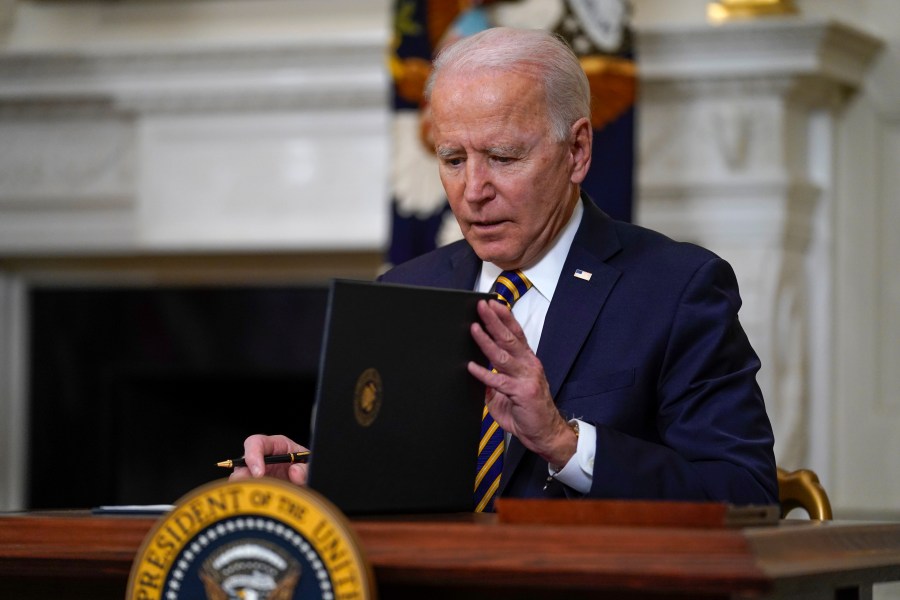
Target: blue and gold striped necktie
<point>509,287</point>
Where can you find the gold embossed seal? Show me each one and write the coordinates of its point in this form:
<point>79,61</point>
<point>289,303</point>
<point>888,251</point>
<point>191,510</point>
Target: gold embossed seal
<point>367,397</point>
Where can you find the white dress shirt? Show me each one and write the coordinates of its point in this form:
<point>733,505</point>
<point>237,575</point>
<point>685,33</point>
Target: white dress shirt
<point>530,311</point>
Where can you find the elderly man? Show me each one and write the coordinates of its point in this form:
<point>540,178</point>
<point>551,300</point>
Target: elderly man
<point>622,370</point>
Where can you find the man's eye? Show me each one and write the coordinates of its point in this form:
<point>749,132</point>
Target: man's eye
<point>453,162</point>
<point>502,159</point>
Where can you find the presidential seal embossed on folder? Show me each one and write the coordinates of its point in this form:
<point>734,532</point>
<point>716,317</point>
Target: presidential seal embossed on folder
<point>367,397</point>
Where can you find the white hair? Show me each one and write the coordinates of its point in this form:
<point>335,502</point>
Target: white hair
<point>531,51</point>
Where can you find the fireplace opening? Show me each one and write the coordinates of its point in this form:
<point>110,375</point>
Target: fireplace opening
<point>136,393</point>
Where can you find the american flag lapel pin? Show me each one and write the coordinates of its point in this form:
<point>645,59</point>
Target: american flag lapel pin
<point>582,274</point>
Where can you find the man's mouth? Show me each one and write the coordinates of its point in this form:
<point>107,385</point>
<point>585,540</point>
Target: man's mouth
<point>487,226</point>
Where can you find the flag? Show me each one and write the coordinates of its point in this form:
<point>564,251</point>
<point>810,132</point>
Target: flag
<point>599,31</point>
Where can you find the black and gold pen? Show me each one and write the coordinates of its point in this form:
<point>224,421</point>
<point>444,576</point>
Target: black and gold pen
<point>294,457</point>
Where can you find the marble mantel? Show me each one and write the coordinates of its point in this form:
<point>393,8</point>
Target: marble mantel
<point>209,148</point>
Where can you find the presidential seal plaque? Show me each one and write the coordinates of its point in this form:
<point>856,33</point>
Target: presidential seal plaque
<point>260,539</point>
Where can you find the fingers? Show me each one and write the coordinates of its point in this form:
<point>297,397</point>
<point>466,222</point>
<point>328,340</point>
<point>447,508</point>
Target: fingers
<point>298,474</point>
<point>479,372</point>
<point>500,322</point>
<point>257,447</point>
<point>499,336</point>
<point>240,473</point>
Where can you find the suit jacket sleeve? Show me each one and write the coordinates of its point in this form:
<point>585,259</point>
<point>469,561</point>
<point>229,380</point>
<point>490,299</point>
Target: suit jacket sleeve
<point>714,438</point>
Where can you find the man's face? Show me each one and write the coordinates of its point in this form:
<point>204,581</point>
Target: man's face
<point>511,186</point>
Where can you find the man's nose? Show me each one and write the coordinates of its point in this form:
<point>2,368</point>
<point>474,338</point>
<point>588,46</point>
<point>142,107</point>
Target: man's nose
<point>478,182</point>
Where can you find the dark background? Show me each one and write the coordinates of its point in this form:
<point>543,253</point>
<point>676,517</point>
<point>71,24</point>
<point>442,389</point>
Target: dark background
<point>136,393</point>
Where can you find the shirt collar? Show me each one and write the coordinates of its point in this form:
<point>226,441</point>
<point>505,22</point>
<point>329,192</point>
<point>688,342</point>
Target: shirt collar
<point>544,274</point>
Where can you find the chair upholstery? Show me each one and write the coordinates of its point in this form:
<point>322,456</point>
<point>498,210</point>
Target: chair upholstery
<point>801,489</point>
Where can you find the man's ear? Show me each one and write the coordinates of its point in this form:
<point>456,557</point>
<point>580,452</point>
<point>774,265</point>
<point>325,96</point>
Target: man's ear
<point>581,139</point>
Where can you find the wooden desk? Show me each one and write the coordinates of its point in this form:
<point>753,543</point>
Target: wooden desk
<point>77,555</point>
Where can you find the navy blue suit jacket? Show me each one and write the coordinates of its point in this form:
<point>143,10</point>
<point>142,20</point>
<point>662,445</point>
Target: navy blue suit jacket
<point>651,352</point>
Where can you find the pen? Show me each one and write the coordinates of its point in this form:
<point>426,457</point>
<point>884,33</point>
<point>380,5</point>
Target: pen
<point>295,457</point>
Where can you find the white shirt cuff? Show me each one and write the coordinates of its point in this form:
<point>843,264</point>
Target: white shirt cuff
<point>578,473</point>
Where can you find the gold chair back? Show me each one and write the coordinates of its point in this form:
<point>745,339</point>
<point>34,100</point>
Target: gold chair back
<point>801,489</point>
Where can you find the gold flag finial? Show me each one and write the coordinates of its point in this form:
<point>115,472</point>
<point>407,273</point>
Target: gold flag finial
<point>729,10</point>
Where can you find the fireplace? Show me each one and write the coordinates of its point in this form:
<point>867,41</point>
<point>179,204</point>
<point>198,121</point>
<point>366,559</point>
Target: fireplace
<point>244,150</point>
<point>135,393</point>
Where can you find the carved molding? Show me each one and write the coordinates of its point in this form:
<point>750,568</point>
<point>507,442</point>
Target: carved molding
<point>731,126</point>
<point>716,139</point>
<point>65,163</point>
<point>754,213</point>
<point>764,48</point>
<point>806,90</point>
<point>340,73</point>
<point>788,372</point>
<point>87,167</point>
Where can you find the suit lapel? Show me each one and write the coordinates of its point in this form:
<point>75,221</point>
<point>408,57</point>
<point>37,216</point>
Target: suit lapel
<point>464,268</point>
<point>575,307</point>
<point>573,312</point>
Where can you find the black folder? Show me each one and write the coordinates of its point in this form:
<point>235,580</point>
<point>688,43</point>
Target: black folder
<point>397,417</point>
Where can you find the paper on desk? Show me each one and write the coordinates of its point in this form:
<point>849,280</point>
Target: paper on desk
<point>133,509</point>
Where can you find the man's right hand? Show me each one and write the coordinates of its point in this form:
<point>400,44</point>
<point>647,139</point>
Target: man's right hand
<point>258,446</point>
